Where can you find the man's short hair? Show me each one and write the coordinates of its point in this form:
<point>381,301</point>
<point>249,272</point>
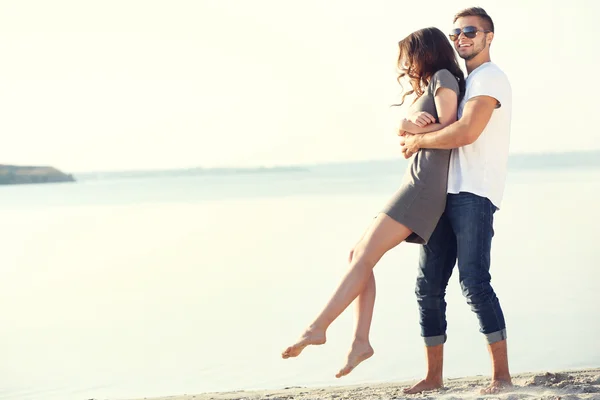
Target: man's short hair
<point>477,12</point>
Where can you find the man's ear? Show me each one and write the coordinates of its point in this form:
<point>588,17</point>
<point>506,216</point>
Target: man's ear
<point>489,38</point>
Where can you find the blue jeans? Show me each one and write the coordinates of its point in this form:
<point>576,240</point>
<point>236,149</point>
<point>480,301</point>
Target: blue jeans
<point>464,232</point>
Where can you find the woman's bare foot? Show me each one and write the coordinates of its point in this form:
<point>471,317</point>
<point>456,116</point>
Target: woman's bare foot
<point>361,350</point>
<point>497,386</point>
<point>424,385</point>
<point>312,336</point>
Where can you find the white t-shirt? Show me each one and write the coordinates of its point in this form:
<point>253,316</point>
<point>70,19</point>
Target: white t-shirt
<point>480,168</point>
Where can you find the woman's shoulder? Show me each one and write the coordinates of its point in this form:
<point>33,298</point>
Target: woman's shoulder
<point>444,74</point>
<point>444,78</point>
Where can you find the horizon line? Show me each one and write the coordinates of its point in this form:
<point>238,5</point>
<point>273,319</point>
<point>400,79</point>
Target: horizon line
<point>306,164</point>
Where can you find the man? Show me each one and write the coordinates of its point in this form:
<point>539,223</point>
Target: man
<point>478,167</point>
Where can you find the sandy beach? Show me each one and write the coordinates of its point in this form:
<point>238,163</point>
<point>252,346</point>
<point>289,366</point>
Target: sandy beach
<point>564,385</point>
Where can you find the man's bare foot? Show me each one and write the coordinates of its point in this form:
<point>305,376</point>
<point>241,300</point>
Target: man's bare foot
<point>424,385</point>
<point>361,350</point>
<point>310,336</point>
<point>497,386</point>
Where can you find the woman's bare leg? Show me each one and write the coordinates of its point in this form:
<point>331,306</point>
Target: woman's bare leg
<point>361,346</point>
<point>384,234</point>
<point>364,309</point>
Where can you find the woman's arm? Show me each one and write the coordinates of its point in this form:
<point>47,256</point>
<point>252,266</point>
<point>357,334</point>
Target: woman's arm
<point>410,127</point>
<point>446,103</point>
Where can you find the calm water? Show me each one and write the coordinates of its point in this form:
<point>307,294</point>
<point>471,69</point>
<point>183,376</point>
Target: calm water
<point>147,287</point>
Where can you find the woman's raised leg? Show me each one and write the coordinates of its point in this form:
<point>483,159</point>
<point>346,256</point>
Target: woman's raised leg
<point>383,235</point>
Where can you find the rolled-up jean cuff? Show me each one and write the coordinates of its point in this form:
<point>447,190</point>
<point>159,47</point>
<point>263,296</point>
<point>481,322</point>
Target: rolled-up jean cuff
<point>435,340</point>
<point>496,336</point>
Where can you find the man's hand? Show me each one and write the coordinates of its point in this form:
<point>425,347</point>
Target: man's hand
<point>409,144</point>
<point>475,117</point>
<point>421,119</point>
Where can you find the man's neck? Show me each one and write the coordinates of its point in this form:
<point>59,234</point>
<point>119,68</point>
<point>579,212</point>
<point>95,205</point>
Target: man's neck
<point>477,62</point>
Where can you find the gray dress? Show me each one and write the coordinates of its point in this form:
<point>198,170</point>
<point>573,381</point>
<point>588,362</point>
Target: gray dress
<point>421,199</point>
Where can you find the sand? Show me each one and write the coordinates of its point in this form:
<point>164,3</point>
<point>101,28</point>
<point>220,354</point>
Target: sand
<point>565,385</point>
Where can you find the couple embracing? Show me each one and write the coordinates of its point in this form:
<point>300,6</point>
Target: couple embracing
<point>457,133</point>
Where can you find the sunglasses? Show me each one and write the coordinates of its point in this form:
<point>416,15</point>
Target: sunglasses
<point>469,32</point>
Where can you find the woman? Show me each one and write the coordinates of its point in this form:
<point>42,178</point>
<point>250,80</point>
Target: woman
<point>427,59</point>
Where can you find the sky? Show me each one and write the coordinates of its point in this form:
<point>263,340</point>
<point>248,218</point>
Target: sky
<point>141,84</point>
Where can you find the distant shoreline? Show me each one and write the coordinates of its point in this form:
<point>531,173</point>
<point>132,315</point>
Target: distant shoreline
<point>586,159</point>
<point>19,175</point>
<point>13,174</point>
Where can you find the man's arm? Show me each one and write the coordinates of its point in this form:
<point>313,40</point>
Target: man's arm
<point>466,130</point>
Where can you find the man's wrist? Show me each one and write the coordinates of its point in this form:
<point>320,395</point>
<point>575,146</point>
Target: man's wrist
<point>419,141</point>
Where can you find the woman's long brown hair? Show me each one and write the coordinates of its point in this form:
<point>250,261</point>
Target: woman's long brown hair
<point>425,52</point>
